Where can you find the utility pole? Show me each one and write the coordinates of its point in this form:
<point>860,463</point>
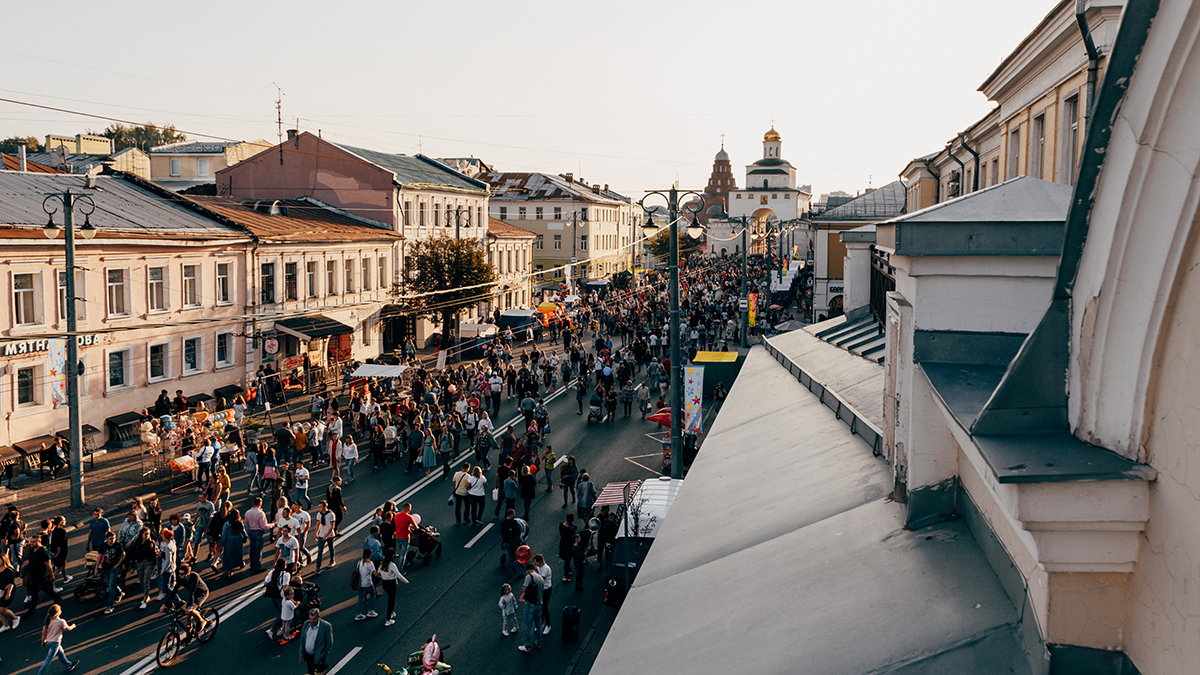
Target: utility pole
<point>676,367</point>
<point>745,281</point>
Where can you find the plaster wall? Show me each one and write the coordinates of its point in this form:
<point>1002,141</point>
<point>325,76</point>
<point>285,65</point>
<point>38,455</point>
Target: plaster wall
<point>986,304</point>
<point>858,274</point>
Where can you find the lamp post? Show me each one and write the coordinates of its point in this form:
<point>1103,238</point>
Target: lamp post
<point>695,230</point>
<point>745,281</point>
<point>69,201</point>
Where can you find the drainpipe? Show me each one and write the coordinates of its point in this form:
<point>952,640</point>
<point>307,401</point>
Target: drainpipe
<point>1093,60</point>
<point>21,163</point>
<point>962,139</point>
<point>962,168</point>
<point>937,179</point>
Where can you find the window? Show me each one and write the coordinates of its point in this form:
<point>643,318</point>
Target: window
<point>330,277</point>
<point>80,307</point>
<point>1037,143</point>
<point>25,299</point>
<point>539,271</point>
<point>479,215</point>
<point>583,242</point>
<point>118,292</point>
<point>366,332</point>
<point>176,166</point>
<point>739,196</point>
<point>1014,153</point>
<point>405,214</point>
<point>995,170</point>
<point>421,220</point>
<point>787,196</point>
<point>118,364</point>
<point>558,213</point>
<point>537,213</point>
<point>158,356</point>
<point>27,386</point>
<point>366,274</point>
<point>775,196</point>
<point>1070,121</point>
<point>510,262</point>
<point>191,285</point>
<point>267,284</point>
<point>521,213</point>
<point>191,355</point>
<point>291,281</point>
<point>437,215</point>
<point>223,283</point>
<point>503,213</point>
<point>310,278</point>
<point>158,288</point>
<point>201,166</point>
<point>583,213</point>
<point>539,243</point>
<point>224,349</point>
<point>349,267</point>
<point>383,280</point>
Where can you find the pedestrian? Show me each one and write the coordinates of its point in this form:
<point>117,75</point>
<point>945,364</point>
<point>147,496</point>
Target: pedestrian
<point>326,532</point>
<point>578,554</point>
<point>531,594</point>
<point>366,587</point>
<point>97,527</point>
<point>167,558</point>
<point>547,574</point>
<point>508,611</point>
<point>40,574</point>
<point>581,388</point>
<point>527,484</point>
<point>142,555</point>
<point>510,540</point>
<point>59,546</point>
<point>256,530</point>
<point>429,451</point>
<point>52,635</point>
<point>233,537</point>
<point>477,493</point>
<point>586,492</point>
<point>111,559</point>
<point>389,574</point>
<point>273,584</point>
<point>316,642</point>
<point>333,494</point>
<point>349,455</point>
<point>548,460</point>
<point>8,586</point>
<point>568,474</point>
<point>511,490</point>
<point>302,475</point>
<point>405,524</point>
<point>287,612</point>
<point>462,482</point>
<point>566,539</point>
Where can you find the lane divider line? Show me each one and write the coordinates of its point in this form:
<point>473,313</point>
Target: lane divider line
<point>477,537</point>
<point>345,659</point>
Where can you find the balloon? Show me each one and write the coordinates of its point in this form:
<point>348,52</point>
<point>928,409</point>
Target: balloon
<point>416,519</point>
<point>524,554</point>
<point>607,371</point>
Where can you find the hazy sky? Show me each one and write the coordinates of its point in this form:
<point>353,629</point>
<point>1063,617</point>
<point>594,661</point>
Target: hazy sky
<point>633,94</point>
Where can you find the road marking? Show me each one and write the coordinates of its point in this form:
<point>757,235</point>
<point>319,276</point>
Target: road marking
<point>148,663</point>
<point>653,454</point>
<point>481,533</point>
<point>345,660</point>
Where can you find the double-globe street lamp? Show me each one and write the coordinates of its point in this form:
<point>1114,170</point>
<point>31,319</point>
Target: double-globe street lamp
<point>69,202</point>
<point>695,230</point>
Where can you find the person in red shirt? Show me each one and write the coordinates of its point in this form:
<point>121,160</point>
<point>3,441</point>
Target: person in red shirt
<point>404,525</point>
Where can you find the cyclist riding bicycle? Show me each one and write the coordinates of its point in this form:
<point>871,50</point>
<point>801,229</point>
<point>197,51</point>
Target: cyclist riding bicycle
<point>197,593</point>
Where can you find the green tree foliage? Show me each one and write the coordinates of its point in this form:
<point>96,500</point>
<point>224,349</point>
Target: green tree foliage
<point>9,145</point>
<point>142,136</point>
<point>442,263</point>
<point>660,245</point>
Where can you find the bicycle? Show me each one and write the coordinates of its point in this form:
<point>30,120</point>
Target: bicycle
<point>182,631</point>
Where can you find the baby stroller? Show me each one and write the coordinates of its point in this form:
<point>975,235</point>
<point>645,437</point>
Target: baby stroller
<point>427,546</point>
<point>93,587</point>
<point>596,409</point>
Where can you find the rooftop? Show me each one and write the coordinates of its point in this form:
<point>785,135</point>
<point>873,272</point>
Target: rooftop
<point>415,170</point>
<point>884,202</point>
<point>503,228</point>
<point>13,163</point>
<point>541,186</point>
<point>194,147</point>
<point>302,219</point>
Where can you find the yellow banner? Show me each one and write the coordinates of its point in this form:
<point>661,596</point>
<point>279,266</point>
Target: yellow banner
<point>753,306</point>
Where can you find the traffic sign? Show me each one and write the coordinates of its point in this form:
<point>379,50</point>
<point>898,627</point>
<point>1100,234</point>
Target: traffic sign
<point>743,304</point>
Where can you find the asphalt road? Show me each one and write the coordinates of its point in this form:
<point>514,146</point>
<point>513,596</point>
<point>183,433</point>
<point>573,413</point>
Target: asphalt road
<point>454,596</point>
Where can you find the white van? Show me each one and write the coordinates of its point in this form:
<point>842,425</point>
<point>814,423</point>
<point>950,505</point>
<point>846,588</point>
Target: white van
<point>640,522</point>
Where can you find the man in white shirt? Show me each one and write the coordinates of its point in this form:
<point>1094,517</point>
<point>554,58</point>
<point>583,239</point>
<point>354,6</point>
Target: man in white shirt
<point>287,546</point>
<point>326,531</point>
<point>305,520</point>
<point>285,519</point>
<point>302,485</point>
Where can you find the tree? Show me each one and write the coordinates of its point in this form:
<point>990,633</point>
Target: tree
<point>9,145</point>
<point>143,136</point>
<point>442,263</point>
<point>660,245</point>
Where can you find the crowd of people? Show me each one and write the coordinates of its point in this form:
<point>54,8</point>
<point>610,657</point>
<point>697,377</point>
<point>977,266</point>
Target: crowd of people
<point>424,422</point>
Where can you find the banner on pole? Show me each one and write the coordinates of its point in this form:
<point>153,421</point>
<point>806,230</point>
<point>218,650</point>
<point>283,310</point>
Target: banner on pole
<point>441,362</point>
<point>753,307</point>
<point>58,372</point>
<point>693,396</point>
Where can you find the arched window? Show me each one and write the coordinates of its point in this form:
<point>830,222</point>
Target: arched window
<point>764,183</point>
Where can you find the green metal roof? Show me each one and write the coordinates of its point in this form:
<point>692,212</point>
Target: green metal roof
<point>413,170</point>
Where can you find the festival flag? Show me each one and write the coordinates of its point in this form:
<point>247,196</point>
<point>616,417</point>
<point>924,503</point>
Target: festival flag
<point>753,306</point>
<point>693,395</point>
<point>58,372</point>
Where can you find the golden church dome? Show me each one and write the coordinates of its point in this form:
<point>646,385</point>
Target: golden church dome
<point>772,135</point>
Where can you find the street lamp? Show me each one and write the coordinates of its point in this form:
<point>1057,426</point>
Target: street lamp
<point>694,230</point>
<point>69,201</point>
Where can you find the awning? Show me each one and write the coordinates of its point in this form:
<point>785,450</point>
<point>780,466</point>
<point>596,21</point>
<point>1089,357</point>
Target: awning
<point>34,445</point>
<point>228,391</point>
<point>614,493</point>
<point>309,328</point>
<point>87,431</point>
<point>391,312</point>
<point>9,455</point>
<point>124,419</point>
<point>377,370</point>
<point>198,398</point>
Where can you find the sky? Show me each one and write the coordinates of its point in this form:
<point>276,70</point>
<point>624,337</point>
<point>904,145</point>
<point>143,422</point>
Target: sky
<point>636,95</point>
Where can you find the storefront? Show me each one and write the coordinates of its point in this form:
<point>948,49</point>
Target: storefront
<point>312,347</point>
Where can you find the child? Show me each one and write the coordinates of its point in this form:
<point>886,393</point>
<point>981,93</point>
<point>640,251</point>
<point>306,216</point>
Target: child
<point>508,610</point>
<point>287,611</point>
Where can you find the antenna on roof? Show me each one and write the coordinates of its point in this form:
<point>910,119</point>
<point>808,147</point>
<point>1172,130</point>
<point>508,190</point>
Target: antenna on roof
<point>279,119</point>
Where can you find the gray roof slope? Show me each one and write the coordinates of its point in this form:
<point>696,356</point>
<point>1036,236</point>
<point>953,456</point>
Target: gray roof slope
<point>123,203</point>
<point>534,186</point>
<point>214,147</point>
<point>813,570</point>
<point>1021,199</point>
<point>415,169</point>
<point>885,202</point>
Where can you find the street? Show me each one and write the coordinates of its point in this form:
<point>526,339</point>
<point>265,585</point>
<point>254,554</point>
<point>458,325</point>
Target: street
<point>455,596</point>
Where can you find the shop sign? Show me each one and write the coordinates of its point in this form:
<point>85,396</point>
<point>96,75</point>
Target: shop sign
<point>35,346</point>
<point>292,362</point>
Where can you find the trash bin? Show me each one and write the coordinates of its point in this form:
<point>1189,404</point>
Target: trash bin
<point>570,624</point>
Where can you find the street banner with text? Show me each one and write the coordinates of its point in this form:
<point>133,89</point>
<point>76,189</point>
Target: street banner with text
<point>693,396</point>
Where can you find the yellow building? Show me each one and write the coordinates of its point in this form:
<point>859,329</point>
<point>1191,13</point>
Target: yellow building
<point>186,164</point>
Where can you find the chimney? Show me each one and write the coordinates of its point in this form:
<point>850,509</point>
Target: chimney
<point>21,165</point>
<point>596,189</point>
<point>292,133</point>
<point>606,187</point>
<point>571,178</point>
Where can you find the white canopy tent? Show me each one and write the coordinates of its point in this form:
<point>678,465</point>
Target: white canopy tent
<point>377,370</point>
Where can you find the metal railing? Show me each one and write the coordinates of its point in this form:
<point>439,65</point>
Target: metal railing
<point>883,280</point>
